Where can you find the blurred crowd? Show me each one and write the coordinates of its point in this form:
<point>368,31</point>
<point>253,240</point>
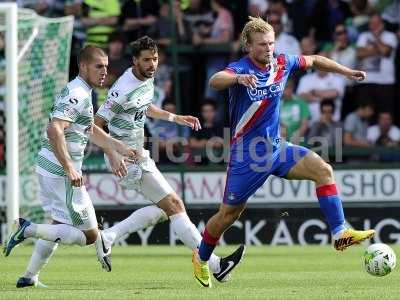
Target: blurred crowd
<point>362,34</point>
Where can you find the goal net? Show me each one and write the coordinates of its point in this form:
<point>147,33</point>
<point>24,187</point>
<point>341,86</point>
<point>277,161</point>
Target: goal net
<point>43,52</point>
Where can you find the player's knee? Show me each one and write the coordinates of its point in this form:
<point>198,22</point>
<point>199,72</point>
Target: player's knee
<point>172,205</point>
<point>325,173</point>
<point>91,236</point>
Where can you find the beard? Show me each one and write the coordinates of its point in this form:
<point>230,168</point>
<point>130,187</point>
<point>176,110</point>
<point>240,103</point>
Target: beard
<point>146,73</point>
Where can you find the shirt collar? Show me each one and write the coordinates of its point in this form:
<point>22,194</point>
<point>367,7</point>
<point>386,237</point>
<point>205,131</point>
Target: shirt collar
<point>85,84</point>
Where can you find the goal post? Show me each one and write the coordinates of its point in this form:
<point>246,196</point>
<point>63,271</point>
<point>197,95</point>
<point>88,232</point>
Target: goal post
<point>11,112</point>
<point>37,52</point>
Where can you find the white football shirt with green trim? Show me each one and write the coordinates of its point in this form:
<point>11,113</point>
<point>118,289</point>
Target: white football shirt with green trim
<point>73,104</point>
<point>125,108</point>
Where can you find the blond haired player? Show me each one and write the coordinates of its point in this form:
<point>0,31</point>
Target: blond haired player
<point>256,84</point>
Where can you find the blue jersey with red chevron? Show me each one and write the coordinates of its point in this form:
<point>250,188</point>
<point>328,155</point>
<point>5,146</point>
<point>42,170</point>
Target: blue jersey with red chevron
<point>256,148</point>
<point>255,112</point>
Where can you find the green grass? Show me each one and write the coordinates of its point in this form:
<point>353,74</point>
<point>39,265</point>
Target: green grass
<point>164,272</point>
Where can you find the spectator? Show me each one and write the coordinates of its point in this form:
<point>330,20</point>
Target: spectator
<point>384,133</point>
<point>118,61</point>
<point>166,135</point>
<point>308,45</point>
<point>284,42</point>
<point>137,17</point>
<point>221,33</point>
<point>211,134</point>
<point>294,114</point>
<point>163,77</point>
<point>47,8</point>
<point>376,51</point>
<point>356,125</point>
<point>326,14</point>
<point>391,15</point>
<point>358,22</point>
<point>197,16</point>
<point>75,8</point>
<point>326,128</point>
<point>100,18</point>
<point>257,7</point>
<point>278,7</point>
<point>344,53</point>
<point>161,29</point>
<point>341,50</point>
<point>318,86</point>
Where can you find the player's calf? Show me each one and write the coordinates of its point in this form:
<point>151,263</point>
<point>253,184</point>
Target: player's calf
<point>91,236</point>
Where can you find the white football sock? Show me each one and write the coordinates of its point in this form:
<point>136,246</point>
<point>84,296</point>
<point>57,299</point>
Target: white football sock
<point>40,257</point>
<point>61,233</point>
<point>191,237</point>
<point>139,219</point>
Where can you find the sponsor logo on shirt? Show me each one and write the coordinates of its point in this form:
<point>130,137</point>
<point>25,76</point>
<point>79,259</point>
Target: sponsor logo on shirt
<point>270,91</point>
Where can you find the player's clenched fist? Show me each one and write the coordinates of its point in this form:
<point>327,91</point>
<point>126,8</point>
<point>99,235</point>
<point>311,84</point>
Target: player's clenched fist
<point>248,80</point>
<point>74,176</point>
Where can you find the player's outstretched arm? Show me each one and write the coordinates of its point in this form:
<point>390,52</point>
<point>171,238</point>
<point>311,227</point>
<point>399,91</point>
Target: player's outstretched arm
<point>158,113</point>
<point>104,140</point>
<point>223,80</point>
<point>116,160</point>
<point>55,133</point>
<point>328,65</point>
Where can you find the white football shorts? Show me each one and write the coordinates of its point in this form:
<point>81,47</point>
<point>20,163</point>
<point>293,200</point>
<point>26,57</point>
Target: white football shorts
<point>144,177</point>
<point>65,203</point>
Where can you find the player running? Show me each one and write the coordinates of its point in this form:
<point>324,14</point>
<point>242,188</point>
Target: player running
<point>256,83</point>
<point>124,113</point>
<point>59,169</point>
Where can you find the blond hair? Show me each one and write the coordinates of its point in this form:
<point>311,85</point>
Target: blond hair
<point>254,25</point>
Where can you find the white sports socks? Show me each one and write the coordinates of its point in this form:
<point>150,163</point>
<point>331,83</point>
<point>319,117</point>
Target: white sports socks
<point>40,257</point>
<point>139,219</point>
<point>190,236</point>
<point>62,233</point>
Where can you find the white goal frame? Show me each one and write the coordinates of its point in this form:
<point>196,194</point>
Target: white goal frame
<point>11,113</point>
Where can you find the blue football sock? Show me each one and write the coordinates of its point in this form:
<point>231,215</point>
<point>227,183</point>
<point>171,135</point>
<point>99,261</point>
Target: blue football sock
<point>207,246</point>
<point>331,206</point>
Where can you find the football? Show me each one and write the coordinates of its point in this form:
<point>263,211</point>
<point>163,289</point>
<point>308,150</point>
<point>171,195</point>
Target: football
<point>379,259</point>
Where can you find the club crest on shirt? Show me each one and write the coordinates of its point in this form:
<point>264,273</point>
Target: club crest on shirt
<point>108,104</point>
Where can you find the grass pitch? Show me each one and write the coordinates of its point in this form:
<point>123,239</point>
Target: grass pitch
<point>162,272</point>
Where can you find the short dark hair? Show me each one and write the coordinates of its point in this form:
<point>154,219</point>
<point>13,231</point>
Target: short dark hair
<point>366,103</point>
<point>141,44</point>
<point>386,112</point>
<point>88,52</point>
<point>210,101</point>
<point>327,102</point>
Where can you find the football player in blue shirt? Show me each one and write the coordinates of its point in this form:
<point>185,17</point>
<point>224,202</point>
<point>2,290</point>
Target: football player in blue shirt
<point>256,83</point>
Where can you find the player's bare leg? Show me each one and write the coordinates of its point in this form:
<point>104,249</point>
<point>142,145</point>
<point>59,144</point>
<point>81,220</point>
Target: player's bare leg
<point>313,167</point>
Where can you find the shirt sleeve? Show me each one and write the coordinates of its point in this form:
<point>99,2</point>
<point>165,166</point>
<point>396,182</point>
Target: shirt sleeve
<point>361,41</point>
<point>293,62</point>
<point>349,124</point>
<point>68,107</point>
<point>112,106</point>
<point>234,68</point>
<point>390,39</point>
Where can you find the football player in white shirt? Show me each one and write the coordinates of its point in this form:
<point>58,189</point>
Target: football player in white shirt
<point>124,113</point>
<point>59,169</point>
